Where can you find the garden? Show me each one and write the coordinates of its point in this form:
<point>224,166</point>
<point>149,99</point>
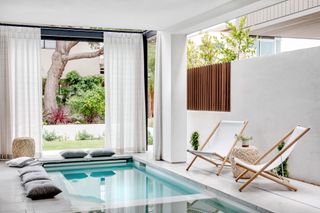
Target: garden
<point>78,121</point>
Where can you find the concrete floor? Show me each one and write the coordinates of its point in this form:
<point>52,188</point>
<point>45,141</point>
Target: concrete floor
<point>263,195</point>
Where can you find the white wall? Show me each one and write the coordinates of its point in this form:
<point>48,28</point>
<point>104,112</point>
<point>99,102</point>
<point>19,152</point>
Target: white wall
<point>70,131</point>
<point>275,93</point>
<point>85,67</point>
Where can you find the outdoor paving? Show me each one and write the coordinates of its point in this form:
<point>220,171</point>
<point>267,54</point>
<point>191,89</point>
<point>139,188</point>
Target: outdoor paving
<point>263,195</point>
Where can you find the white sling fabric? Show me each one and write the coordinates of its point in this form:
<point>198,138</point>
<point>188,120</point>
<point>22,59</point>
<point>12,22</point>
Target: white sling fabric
<point>125,95</point>
<point>157,129</point>
<point>20,87</point>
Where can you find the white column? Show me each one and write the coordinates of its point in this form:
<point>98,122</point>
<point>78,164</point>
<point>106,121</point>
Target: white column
<point>174,101</point>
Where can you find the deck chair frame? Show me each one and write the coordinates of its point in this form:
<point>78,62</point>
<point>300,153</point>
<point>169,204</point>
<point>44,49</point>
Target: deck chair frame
<point>266,174</point>
<point>224,159</point>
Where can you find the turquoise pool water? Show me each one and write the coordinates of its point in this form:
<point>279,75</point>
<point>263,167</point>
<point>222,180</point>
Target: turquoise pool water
<point>117,182</point>
<point>132,187</point>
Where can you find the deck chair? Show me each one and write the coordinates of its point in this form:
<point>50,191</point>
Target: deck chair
<point>265,169</point>
<point>218,146</point>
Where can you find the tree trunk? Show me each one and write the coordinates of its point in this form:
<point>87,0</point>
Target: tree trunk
<point>53,77</point>
<point>60,58</point>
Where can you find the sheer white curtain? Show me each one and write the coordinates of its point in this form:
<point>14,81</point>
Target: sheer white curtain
<point>20,86</point>
<point>157,128</point>
<point>125,97</point>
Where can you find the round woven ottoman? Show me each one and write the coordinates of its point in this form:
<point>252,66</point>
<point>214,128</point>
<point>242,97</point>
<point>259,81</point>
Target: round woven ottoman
<point>246,154</point>
<point>23,147</point>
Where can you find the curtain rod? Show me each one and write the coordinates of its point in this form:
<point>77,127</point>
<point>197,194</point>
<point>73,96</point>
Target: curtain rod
<point>73,29</point>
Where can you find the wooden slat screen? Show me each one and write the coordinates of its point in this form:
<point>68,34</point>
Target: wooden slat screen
<point>208,88</point>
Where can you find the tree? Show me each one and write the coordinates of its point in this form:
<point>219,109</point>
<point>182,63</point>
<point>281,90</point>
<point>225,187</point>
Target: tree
<point>238,43</point>
<point>193,55</point>
<point>208,50</point>
<point>233,45</point>
<point>60,58</point>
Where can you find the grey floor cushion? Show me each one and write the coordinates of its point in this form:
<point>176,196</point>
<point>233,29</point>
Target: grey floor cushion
<point>73,154</point>
<point>19,162</point>
<point>101,153</point>
<point>41,189</point>
<point>29,169</point>
<point>32,176</point>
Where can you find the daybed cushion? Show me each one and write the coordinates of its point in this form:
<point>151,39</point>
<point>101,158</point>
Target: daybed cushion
<point>41,189</point>
<point>29,169</point>
<point>101,153</point>
<point>34,163</point>
<point>19,162</point>
<point>73,154</point>
<point>32,176</point>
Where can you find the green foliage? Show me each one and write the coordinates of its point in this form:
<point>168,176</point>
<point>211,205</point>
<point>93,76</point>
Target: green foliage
<point>83,135</point>
<point>193,55</point>
<point>74,84</point>
<point>243,138</point>
<point>282,169</point>
<point>238,43</point>
<point>208,50</point>
<point>50,136</point>
<point>231,46</point>
<point>194,140</point>
<point>150,138</point>
<point>90,104</point>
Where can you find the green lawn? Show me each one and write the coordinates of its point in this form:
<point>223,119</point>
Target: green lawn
<point>60,145</point>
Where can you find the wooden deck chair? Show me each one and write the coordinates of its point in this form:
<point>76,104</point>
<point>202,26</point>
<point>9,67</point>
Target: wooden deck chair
<point>219,144</point>
<point>265,169</point>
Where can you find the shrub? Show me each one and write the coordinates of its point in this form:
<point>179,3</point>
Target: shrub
<point>90,104</point>
<point>58,116</point>
<point>282,169</point>
<point>150,138</point>
<point>74,84</point>
<point>194,140</point>
<point>50,136</point>
<point>83,135</point>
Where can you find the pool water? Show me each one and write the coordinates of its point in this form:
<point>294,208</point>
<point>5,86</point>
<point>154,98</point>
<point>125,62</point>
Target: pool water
<point>133,187</point>
<point>120,182</point>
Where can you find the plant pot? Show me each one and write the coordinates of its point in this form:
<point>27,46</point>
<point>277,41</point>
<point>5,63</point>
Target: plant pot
<point>245,143</point>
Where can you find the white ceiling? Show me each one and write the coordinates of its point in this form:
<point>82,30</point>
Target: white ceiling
<point>179,16</point>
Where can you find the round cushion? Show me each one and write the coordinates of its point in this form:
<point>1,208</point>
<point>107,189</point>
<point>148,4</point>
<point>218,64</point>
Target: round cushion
<point>23,147</point>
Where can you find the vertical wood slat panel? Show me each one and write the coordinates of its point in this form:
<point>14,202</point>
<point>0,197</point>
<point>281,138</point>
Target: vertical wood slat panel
<point>208,87</point>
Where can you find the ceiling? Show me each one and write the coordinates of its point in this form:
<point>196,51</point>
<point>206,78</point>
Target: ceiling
<point>177,16</point>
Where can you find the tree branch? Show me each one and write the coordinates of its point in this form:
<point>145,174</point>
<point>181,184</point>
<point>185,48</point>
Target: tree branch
<point>83,55</point>
<point>71,44</point>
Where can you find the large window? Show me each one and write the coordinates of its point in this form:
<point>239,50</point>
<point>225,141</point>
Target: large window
<point>273,45</point>
<point>73,95</point>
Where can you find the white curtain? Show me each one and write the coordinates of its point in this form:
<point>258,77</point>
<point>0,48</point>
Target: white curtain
<point>125,97</point>
<point>157,128</point>
<point>20,87</point>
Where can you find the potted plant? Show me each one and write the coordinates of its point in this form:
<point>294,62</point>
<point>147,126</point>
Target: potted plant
<point>244,139</point>
<point>194,140</point>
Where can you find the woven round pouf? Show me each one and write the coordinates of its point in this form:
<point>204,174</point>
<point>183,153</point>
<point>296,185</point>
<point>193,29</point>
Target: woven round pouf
<point>246,154</point>
<point>23,147</point>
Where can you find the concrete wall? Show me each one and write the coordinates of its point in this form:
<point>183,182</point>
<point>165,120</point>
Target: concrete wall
<point>275,93</point>
<point>174,109</point>
<point>70,131</point>
<point>85,67</point>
